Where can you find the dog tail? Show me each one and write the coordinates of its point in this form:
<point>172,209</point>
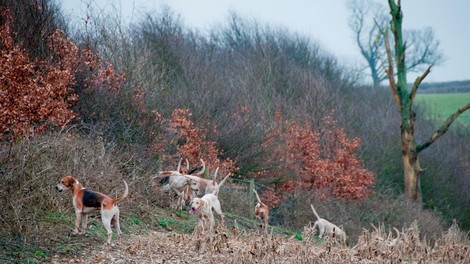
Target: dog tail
<point>314,212</point>
<point>257,197</point>
<point>217,187</point>
<point>124,195</point>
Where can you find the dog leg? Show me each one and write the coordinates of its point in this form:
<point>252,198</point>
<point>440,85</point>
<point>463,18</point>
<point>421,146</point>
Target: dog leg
<point>106,217</point>
<point>222,219</point>
<point>321,229</point>
<point>78,217</point>
<point>181,201</point>
<point>200,224</point>
<point>211,222</point>
<point>115,222</point>
<point>218,210</point>
<point>84,224</point>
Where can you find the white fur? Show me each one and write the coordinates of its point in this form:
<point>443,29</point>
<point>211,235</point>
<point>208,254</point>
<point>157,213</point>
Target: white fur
<point>203,208</point>
<point>327,228</point>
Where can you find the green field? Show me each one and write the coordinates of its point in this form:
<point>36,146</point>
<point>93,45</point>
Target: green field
<point>442,105</point>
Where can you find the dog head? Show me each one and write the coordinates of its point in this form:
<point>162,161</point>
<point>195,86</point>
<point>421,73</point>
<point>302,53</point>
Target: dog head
<point>197,204</point>
<point>66,183</point>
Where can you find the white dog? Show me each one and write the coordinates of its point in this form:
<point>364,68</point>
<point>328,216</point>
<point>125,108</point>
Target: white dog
<point>203,208</point>
<point>178,183</point>
<point>327,228</point>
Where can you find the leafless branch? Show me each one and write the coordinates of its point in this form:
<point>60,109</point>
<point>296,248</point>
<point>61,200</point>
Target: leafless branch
<point>418,82</point>
<point>443,129</point>
<point>389,70</point>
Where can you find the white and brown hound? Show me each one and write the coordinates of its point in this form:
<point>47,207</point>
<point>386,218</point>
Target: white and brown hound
<point>326,228</point>
<point>178,184</point>
<point>204,186</point>
<point>261,211</point>
<point>86,201</point>
<point>203,208</point>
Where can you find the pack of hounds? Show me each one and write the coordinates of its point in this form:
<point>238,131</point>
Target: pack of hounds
<point>184,186</point>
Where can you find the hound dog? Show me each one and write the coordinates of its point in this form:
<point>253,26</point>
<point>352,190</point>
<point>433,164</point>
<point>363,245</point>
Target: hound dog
<point>203,208</point>
<point>86,201</point>
<point>327,228</point>
<point>178,184</point>
<point>204,186</point>
<point>261,211</point>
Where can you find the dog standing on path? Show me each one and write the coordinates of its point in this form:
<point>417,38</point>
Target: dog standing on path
<point>86,201</point>
<point>327,228</point>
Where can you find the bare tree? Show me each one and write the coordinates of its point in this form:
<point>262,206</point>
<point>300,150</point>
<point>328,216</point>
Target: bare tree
<point>366,19</point>
<point>404,100</point>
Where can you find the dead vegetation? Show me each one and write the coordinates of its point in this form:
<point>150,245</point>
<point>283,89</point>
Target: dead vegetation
<point>237,246</point>
<point>37,221</point>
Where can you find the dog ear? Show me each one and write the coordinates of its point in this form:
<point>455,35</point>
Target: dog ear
<point>203,203</point>
<point>70,181</point>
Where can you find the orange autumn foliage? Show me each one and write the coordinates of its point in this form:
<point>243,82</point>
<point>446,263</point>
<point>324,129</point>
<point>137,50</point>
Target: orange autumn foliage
<point>322,162</point>
<point>36,94</point>
<point>189,141</point>
<point>33,93</point>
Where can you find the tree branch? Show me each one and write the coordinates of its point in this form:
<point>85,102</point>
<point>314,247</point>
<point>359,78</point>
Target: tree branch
<point>389,71</point>
<point>418,82</point>
<point>438,133</point>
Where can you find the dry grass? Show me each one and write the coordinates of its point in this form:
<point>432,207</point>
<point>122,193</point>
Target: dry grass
<point>353,216</point>
<point>236,246</point>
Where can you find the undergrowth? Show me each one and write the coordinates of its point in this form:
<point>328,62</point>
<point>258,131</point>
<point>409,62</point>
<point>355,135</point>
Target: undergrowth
<point>37,222</point>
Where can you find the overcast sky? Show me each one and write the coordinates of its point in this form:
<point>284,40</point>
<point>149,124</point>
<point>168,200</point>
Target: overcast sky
<point>325,21</point>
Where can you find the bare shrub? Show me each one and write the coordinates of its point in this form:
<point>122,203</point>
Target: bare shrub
<point>380,245</point>
<point>34,21</point>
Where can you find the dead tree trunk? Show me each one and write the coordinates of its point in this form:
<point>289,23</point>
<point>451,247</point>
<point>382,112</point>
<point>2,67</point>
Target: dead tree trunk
<point>404,100</point>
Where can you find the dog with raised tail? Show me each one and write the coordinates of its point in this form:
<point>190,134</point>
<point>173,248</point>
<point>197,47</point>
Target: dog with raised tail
<point>86,201</point>
<point>204,186</point>
<point>261,211</point>
<point>203,207</point>
<point>178,184</point>
<point>327,228</point>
